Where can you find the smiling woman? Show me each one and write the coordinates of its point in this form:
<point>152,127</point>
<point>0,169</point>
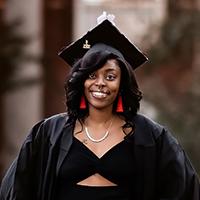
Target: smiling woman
<point>101,148</point>
<point>102,86</point>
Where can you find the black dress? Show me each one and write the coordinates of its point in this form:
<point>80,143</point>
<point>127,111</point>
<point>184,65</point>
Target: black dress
<point>116,165</point>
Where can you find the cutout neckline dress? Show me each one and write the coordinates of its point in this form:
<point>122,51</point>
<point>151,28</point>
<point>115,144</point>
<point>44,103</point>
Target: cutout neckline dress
<point>116,165</point>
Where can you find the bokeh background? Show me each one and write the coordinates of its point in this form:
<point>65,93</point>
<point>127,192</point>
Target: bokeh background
<point>32,75</point>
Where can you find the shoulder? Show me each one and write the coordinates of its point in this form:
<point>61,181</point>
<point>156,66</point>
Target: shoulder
<point>49,128</point>
<point>151,131</point>
<point>145,121</point>
<point>58,119</point>
<point>145,124</point>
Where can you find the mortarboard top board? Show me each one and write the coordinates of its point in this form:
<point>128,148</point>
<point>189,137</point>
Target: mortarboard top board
<point>108,34</point>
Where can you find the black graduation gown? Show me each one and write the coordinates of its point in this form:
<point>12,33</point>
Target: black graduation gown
<point>163,170</point>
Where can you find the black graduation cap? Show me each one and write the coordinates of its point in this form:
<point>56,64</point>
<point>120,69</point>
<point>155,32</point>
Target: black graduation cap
<point>107,33</point>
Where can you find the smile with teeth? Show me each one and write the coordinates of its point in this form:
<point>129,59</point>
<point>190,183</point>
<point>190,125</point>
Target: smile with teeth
<point>99,94</point>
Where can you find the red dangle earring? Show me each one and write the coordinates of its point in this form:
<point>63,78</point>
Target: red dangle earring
<point>82,103</point>
<point>120,105</point>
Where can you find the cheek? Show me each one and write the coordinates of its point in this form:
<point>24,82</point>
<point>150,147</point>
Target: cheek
<point>117,85</point>
<point>115,88</point>
<point>87,85</point>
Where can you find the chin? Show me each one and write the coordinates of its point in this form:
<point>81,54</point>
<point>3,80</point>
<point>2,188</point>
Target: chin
<point>102,107</point>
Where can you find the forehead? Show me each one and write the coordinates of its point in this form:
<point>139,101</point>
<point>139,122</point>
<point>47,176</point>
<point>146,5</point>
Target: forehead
<point>110,65</point>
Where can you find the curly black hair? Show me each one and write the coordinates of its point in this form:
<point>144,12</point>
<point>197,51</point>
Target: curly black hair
<point>74,85</point>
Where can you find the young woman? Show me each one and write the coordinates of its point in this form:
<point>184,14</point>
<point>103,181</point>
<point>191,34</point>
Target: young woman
<point>101,148</point>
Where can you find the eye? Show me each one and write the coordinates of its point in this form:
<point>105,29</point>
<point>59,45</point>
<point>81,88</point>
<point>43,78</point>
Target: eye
<point>110,77</point>
<point>92,76</point>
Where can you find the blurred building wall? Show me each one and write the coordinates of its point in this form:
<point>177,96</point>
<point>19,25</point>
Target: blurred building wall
<point>2,5</point>
<point>39,76</point>
<point>22,105</point>
<point>57,33</point>
<point>132,17</point>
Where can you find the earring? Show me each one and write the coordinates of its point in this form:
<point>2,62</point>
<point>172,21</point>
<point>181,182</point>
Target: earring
<point>82,103</point>
<point>119,105</point>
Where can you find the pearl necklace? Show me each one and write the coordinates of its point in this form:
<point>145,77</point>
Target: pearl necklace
<point>100,139</point>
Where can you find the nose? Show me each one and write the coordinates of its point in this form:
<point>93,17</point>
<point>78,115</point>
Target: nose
<point>100,82</point>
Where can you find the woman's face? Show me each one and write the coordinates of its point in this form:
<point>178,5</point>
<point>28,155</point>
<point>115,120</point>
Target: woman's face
<point>102,86</point>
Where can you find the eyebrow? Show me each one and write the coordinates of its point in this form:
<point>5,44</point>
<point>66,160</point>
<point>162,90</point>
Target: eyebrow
<point>111,69</point>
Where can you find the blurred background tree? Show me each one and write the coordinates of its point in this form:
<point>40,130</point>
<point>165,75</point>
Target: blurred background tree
<point>12,52</point>
<point>172,79</point>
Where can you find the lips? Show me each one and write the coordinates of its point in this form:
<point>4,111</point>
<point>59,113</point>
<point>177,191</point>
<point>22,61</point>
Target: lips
<point>99,95</point>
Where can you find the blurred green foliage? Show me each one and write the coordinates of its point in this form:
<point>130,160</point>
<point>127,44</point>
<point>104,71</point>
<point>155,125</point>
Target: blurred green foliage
<point>174,71</point>
<point>11,51</point>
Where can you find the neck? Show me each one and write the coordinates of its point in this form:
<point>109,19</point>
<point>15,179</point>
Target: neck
<point>99,116</point>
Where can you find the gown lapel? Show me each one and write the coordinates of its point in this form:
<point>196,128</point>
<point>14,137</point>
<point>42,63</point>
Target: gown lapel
<point>65,143</point>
